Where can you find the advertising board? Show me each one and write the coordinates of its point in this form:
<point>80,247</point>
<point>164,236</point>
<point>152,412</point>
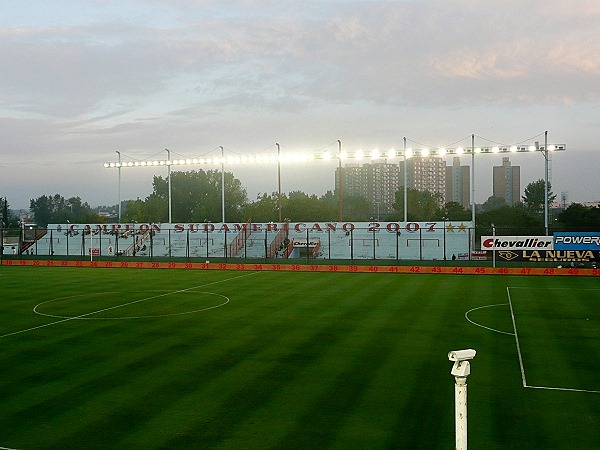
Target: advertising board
<point>517,243</point>
<point>576,241</point>
<point>562,256</point>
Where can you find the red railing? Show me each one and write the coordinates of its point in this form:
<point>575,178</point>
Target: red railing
<point>238,243</point>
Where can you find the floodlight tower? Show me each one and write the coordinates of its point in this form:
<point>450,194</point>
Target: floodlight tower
<point>545,153</point>
<point>278,181</point>
<point>340,179</point>
<point>461,370</point>
<point>119,188</point>
<point>222,185</point>
<point>169,179</point>
<point>405,185</point>
<point>473,188</point>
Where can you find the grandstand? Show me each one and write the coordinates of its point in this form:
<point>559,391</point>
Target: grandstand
<point>363,240</point>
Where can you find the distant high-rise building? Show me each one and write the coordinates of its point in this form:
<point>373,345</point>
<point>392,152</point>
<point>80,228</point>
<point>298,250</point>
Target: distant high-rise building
<point>458,183</point>
<point>507,182</point>
<point>377,182</point>
<point>425,174</point>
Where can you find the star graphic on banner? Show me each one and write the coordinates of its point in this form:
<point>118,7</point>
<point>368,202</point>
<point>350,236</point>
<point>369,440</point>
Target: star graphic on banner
<point>450,228</point>
<point>462,228</point>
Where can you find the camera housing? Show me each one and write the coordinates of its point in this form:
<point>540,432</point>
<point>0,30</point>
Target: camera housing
<point>462,355</point>
<point>461,368</point>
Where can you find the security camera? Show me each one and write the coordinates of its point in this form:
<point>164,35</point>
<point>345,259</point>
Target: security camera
<point>461,355</point>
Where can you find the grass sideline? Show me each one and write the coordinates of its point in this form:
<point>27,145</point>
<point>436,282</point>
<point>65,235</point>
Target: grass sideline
<point>291,359</point>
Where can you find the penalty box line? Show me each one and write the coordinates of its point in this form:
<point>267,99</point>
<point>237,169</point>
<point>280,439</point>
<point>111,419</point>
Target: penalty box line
<point>124,304</point>
<point>524,379</point>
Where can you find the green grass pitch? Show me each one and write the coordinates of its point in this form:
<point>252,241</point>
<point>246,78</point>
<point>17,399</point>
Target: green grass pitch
<point>109,358</point>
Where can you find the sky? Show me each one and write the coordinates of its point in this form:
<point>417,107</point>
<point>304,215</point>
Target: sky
<point>81,80</point>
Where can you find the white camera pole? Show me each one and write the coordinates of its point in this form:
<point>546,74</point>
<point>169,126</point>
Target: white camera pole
<point>461,370</point>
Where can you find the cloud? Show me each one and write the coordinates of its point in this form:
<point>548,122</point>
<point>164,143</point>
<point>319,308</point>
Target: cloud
<point>82,79</point>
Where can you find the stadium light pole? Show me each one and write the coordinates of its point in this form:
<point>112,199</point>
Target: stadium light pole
<point>461,370</point>
<point>278,181</point>
<point>405,184</point>
<point>545,153</point>
<point>222,185</point>
<point>119,188</point>
<point>340,180</point>
<point>494,250</point>
<point>406,154</point>
<point>169,179</point>
<point>473,190</point>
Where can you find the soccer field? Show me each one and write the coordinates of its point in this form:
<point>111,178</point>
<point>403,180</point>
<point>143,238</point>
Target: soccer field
<point>110,358</point>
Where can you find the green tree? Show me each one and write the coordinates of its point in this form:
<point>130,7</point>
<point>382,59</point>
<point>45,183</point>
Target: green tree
<point>356,208</point>
<point>9,220</point>
<point>578,217</point>
<point>330,203</point>
<point>510,220</point>
<point>196,196</point>
<point>263,209</point>
<point>533,197</point>
<point>300,206</point>
<point>56,209</point>
<point>455,211</point>
<point>493,202</point>
<point>43,209</point>
<point>422,205</point>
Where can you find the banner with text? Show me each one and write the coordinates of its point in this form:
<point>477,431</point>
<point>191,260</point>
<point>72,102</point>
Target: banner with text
<point>565,256</point>
<point>517,243</point>
<point>576,241</point>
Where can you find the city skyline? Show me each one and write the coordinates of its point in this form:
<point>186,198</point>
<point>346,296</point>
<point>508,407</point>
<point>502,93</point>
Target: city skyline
<point>83,80</point>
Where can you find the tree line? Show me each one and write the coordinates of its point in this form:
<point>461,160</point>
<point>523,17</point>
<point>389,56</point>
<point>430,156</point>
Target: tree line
<point>196,197</point>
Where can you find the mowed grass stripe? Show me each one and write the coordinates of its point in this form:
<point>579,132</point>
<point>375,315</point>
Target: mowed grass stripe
<point>295,360</point>
<point>558,330</point>
<point>157,358</point>
<point>350,409</point>
<point>319,399</point>
<point>67,390</point>
<point>226,397</point>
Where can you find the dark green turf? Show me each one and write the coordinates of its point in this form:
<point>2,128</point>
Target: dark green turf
<point>294,360</point>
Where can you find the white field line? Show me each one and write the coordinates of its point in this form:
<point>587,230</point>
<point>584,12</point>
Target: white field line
<point>483,326</point>
<point>563,389</point>
<point>124,304</point>
<point>525,385</point>
<point>54,316</point>
<point>512,315</point>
